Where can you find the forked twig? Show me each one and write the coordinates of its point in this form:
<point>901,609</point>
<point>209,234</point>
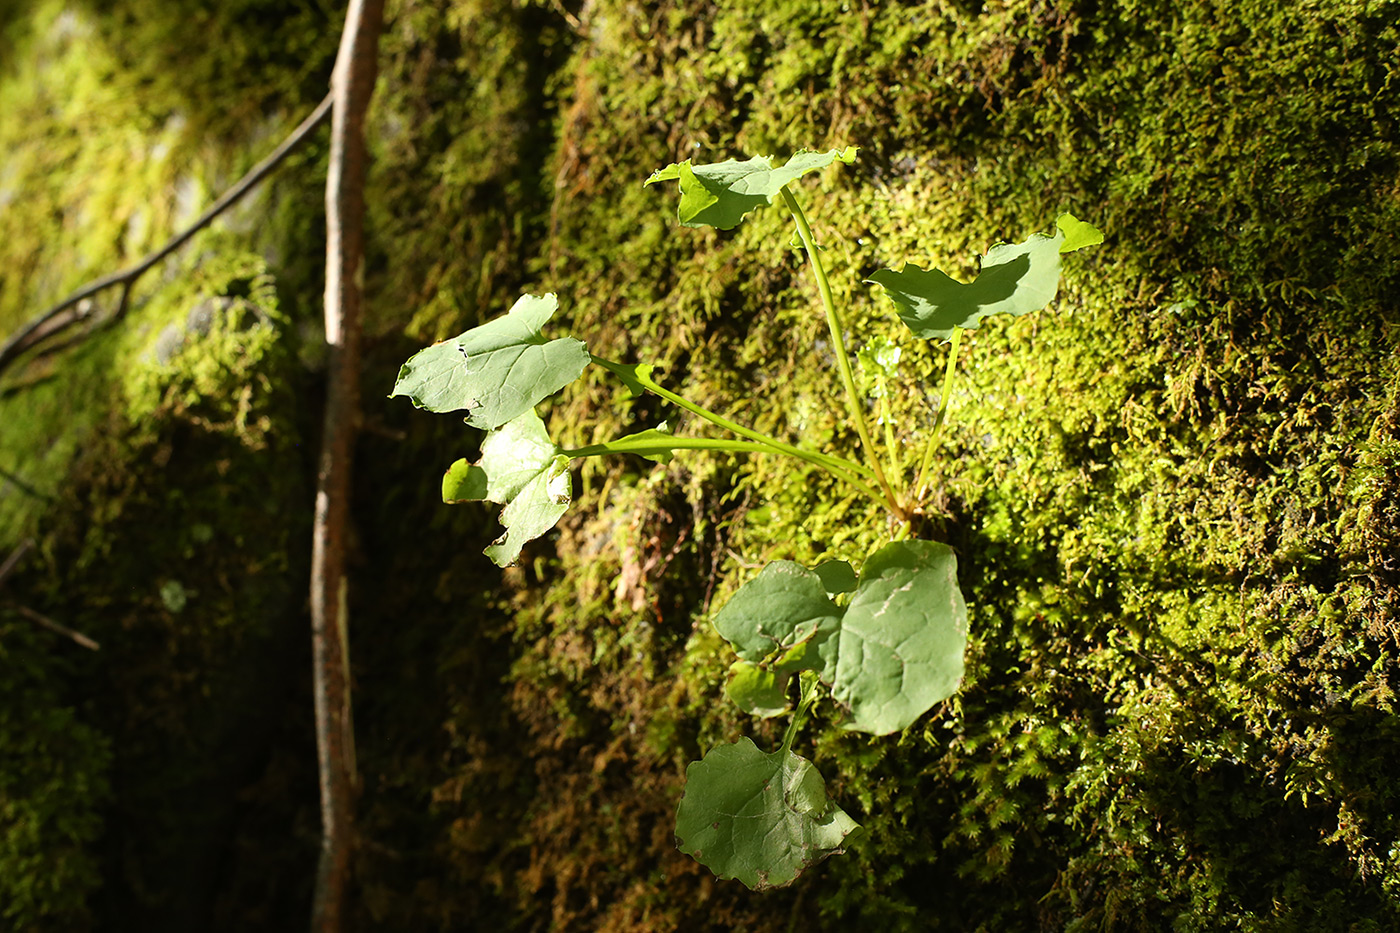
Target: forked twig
<point>7,568</point>
<point>78,305</point>
<point>17,555</point>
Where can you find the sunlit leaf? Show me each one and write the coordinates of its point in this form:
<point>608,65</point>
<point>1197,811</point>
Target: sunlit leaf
<point>661,434</point>
<point>496,371</point>
<point>721,193</point>
<point>1078,233</point>
<point>1015,279</point>
<point>631,374</point>
<point>879,362</point>
<point>521,469</point>
<point>760,817</point>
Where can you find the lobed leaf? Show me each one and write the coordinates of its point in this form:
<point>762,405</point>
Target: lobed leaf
<point>1015,279</point>
<point>497,371</point>
<point>893,652</point>
<point>521,469</point>
<point>722,193</point>
<point>760,817</point>
<point>1078,233</point>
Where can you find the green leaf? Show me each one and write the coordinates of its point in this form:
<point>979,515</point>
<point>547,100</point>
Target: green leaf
<point>902,639</point>
<point>628,373</point>
<point>757,691</point>
<point>783,607</point>
<point>521,469</point>
<point>837,576</point>
<point>661,434</point>
<point>1078,233</point>
<point>762,818</point>
<point>1015,279</point>
<point>894,651</point>
<point>880,357</point>
<point>720,194</point>
<point>879,361</point>
<point>497,371</point>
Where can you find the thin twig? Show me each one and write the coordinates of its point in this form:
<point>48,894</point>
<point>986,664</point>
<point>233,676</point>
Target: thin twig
<point>22,486</point>
<point>51,625</point>
<point>17,555</point>
<point>78,305</point>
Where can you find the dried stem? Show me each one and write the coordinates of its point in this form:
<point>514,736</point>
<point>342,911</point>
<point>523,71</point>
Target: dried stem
<point>12,562</point>
<point>53,626</point>
<point>352,85</point>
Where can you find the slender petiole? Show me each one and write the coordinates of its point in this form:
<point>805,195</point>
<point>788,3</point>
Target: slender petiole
<point>648,448</point>
<point>845,470</point>
<point>809,696</point>
<point>888,422</point>
<point>938,420</point>
<point>843,361</point>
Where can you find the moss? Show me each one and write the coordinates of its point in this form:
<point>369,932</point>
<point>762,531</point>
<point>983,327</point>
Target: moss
<point>156,458</point>
<point>1171,496</point>
<point>187,570</point>
<point>52,789</point>
<point>1142,486</point>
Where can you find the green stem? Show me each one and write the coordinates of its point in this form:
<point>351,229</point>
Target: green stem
<point>809,696</point>
<point>839,467</point>
<point>843,362</point>
<point>942,410</point>
<point>895,470</point>
<point>646,448</point>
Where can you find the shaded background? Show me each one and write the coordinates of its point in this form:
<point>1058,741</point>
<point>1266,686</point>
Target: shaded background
<point>1175,496</point>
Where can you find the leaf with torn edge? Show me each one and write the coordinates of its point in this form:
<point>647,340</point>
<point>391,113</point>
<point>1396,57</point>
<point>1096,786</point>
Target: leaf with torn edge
<point>521,469</point>
<point>496,371</point>
<point>760,817</point>
<point>721,193</point>
<point>1015,279</point>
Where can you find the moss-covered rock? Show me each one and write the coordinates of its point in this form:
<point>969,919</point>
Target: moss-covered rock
<point>1172,495</point>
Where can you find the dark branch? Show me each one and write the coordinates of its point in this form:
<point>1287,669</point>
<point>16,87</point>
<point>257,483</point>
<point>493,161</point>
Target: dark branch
<point>78,305</point>
<point>53,626</point>
<point>17,555</point>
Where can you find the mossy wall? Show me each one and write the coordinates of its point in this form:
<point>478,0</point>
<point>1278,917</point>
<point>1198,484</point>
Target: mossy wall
<point>1173,495</point>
